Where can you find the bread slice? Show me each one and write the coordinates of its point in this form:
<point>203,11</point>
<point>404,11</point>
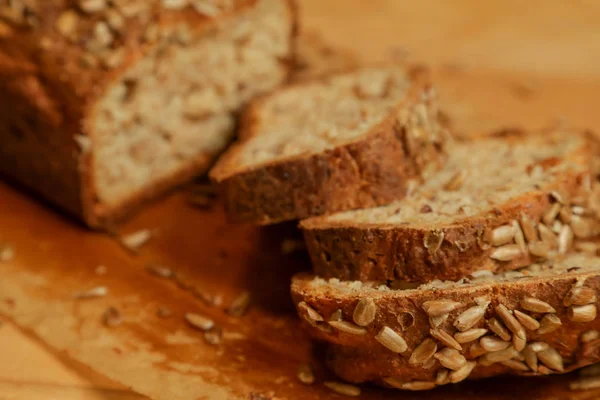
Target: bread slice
<point>538,320</point>
<point>106,104</point>
<point>347,141</point>
<point>498,204</point>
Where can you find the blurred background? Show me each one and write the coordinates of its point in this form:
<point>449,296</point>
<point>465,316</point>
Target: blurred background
<point>556,37</point>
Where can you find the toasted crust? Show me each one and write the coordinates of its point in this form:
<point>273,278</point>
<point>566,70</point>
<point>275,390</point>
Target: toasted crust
<point>399,251</point>
<point>361,358</point>
<point>50,94</point>
<point>369,171</point>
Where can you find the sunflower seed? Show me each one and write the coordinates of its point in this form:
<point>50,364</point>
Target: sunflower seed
<point>539,249</point>
<point>539,346</point>
<point>565,215</point>
<point>406,320</point>
<point>499,329</point>
<point>305,374</point>
<point>585,383</point>
<point>506,253</point>
<point>343,388</point>
<point>112,317</point>
<point>98,291</point>
<point>578,210</point>
<point>214,336</point>
<point>510,321</point>
<point>583,313</point>
<point>501,355</point>
<point>435,322</point>
<point>491,344</point>
<point>414,385</point>
<point>589,336</point>
<point>463,373</point>
<point>391,340</point>
<point>580,296</point>
<point>470,335</point>
<point>547,236</point>
<point>470,317</point>
<point>543,370</point>
<point>519,342</point>
<point>582,227</point>
<point>364,313</point>
<point>445,338</point>
<point>336,315</point>
<point>528,227</point>
<point>135,240</point>
<point>530,358</point>
<point>519,237</point>
<point>433,240</point>
<point>450,358</point>
<point>418,385</point>
<point>199,321</point>
<point>502,235</point>
<point>527,321</point>
<point>549,323</point>
<point>551,214</point>
<point>435,308</point>
<point>442,377</point>
<point>423,352</point>
<point>565,239</point>
<point>535,305</point>
<point>429,363</point>
<point>160,271</point>
<point>7,252</point>
<point>239,305</point>
<point>516,365</point>
<point>551,359</point>
<point>348,327</point>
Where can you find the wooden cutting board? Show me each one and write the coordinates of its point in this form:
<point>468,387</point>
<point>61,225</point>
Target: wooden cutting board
<point>497,64</point>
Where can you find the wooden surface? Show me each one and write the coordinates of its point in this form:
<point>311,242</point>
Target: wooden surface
<point>499,64</point>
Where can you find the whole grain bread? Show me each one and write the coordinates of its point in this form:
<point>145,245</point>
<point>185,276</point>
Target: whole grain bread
<point>346,141</point>
<point>106,104</point>
<point>539,320</point>
<point>499,203</point>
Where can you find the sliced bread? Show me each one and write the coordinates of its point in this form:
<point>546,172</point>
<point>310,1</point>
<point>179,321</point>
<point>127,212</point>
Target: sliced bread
<point>106,104</point>
<point>498,204</point>
<point>346,141</point>
<point>539,320</point>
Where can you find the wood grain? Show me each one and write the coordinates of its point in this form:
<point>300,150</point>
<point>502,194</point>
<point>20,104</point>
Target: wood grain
<point>498,64</point>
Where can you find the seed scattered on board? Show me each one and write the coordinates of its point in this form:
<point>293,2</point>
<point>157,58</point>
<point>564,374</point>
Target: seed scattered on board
<point>98,291</point>
<point>7,252</point>
<point>199,321</point>
<point>239,306</point>
<point>133,241</point>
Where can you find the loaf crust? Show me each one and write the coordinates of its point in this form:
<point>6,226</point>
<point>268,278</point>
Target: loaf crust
<point>371,170</point>
<point>357,356</point>
<point>381,251</point>
<point>51,83</point>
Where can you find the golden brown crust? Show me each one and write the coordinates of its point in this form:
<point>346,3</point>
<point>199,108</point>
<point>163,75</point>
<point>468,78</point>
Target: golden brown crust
<point>370,171</point>
<point>399,251</point>
<point>50,89</point>
<point>361,358</point>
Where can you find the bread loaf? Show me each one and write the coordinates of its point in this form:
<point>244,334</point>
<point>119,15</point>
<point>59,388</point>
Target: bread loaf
<point>498,204</point>
<point>539,320</point>
<point>347,141</point>
<point>107,103</point>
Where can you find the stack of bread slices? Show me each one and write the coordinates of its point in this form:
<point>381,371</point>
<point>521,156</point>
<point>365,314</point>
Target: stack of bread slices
<point>435,260</point>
